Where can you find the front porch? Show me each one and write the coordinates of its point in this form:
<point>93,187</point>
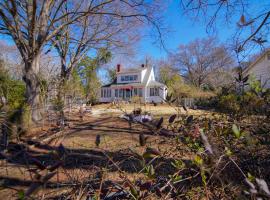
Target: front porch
<point>126,93</point>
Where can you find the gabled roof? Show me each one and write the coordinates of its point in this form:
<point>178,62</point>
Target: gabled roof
<point>144,82</point>
<point>131,70</point>
<point>147,75</point>
<point>258,59</point>
<point>108,85</point>
<point>155,83</point>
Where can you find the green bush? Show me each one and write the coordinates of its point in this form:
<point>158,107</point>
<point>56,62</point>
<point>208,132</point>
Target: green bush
<point>246,104</point>
<point>229,103</point>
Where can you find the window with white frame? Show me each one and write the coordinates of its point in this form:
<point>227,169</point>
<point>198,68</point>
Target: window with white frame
<point>121,93</point>
<point>140,92</point>
<point>129,78</point>
<point>135,90</point>
<point>154,92</point>
<point>116,92</point>
<point>105,92</point>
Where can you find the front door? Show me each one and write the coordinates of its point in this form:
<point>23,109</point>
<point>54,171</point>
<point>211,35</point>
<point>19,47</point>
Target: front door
<point>127,93</point>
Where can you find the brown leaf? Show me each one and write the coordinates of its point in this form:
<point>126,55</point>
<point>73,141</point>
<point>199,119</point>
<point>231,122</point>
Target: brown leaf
<point>242,19</point>
<point>55,166</point>
<point>159,123</point>
<point>38,163</point>
<point>33,188</point>
<point>172,118</point>
<point>152,151</point>
<point>189,119</point>
<point>47,177</point>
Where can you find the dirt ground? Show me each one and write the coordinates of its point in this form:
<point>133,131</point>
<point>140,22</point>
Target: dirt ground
<point>84,160</point>
<point>117,139</point>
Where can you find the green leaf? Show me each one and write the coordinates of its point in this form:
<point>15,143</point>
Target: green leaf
<point>178,164</point>
<point>198,161</point>
<point>228,152</point>
<point>236,131</point>
<point>134,192</point>
<point>175,178</point>
<point>21,195</point>
<point>250,177</point>
<point>150,171</point>
<point>203,177</point>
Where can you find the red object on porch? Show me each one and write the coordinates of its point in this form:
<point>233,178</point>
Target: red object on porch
<point>125,87</point>
<point>118,67</point>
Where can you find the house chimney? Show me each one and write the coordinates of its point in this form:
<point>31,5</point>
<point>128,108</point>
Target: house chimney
<point>118,67</point>
<point>142,65</point>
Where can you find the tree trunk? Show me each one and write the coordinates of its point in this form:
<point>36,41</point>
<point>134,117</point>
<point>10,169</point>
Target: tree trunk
<point>33,88</point>
<point>61,102</point>
<point>62,93</point>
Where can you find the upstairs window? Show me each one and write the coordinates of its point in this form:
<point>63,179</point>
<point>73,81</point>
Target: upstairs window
<point>129,78</point>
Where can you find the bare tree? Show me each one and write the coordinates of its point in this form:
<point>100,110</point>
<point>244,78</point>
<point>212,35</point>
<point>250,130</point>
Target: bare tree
<point>91,34</point>
<point>202,59</point>
<point>31,24</point>
<point>253,23</point>
<point>12,58</point>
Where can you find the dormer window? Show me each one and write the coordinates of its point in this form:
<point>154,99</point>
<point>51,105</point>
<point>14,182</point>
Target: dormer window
<point>129,78</point>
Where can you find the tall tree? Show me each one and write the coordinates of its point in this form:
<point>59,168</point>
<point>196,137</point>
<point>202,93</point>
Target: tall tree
<point>202,59</point>
<point>33,23</point>
<point>88,68</point>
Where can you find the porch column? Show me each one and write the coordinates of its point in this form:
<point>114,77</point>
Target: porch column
<point>145,93</point>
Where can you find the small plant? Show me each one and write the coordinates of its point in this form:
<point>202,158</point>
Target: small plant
<point>150,171</point>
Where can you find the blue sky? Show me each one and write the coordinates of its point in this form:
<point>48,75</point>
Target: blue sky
<point>184,30</point>
<point>181,30</point>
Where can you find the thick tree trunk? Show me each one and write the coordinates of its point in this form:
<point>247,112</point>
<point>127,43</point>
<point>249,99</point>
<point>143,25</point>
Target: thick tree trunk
<point>62,93</point>
<point>33,88</point>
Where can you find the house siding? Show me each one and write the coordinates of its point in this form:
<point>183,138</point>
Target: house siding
<point>261,71</point>
<point>145,81</point>
<point>158,99</point>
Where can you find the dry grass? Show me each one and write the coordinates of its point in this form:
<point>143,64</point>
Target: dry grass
<point>116,153</point>
<point>161,109</point>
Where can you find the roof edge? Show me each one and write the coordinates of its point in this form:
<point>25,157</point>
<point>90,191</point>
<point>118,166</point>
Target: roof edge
<point>257,60</point>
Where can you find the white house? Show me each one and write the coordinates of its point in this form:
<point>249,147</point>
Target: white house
<point>134,82</point>
<point>260,69</point>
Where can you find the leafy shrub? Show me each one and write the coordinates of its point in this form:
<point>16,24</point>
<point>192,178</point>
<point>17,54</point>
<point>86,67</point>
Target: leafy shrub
<point>229,103</point>
<point>58,104</point>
